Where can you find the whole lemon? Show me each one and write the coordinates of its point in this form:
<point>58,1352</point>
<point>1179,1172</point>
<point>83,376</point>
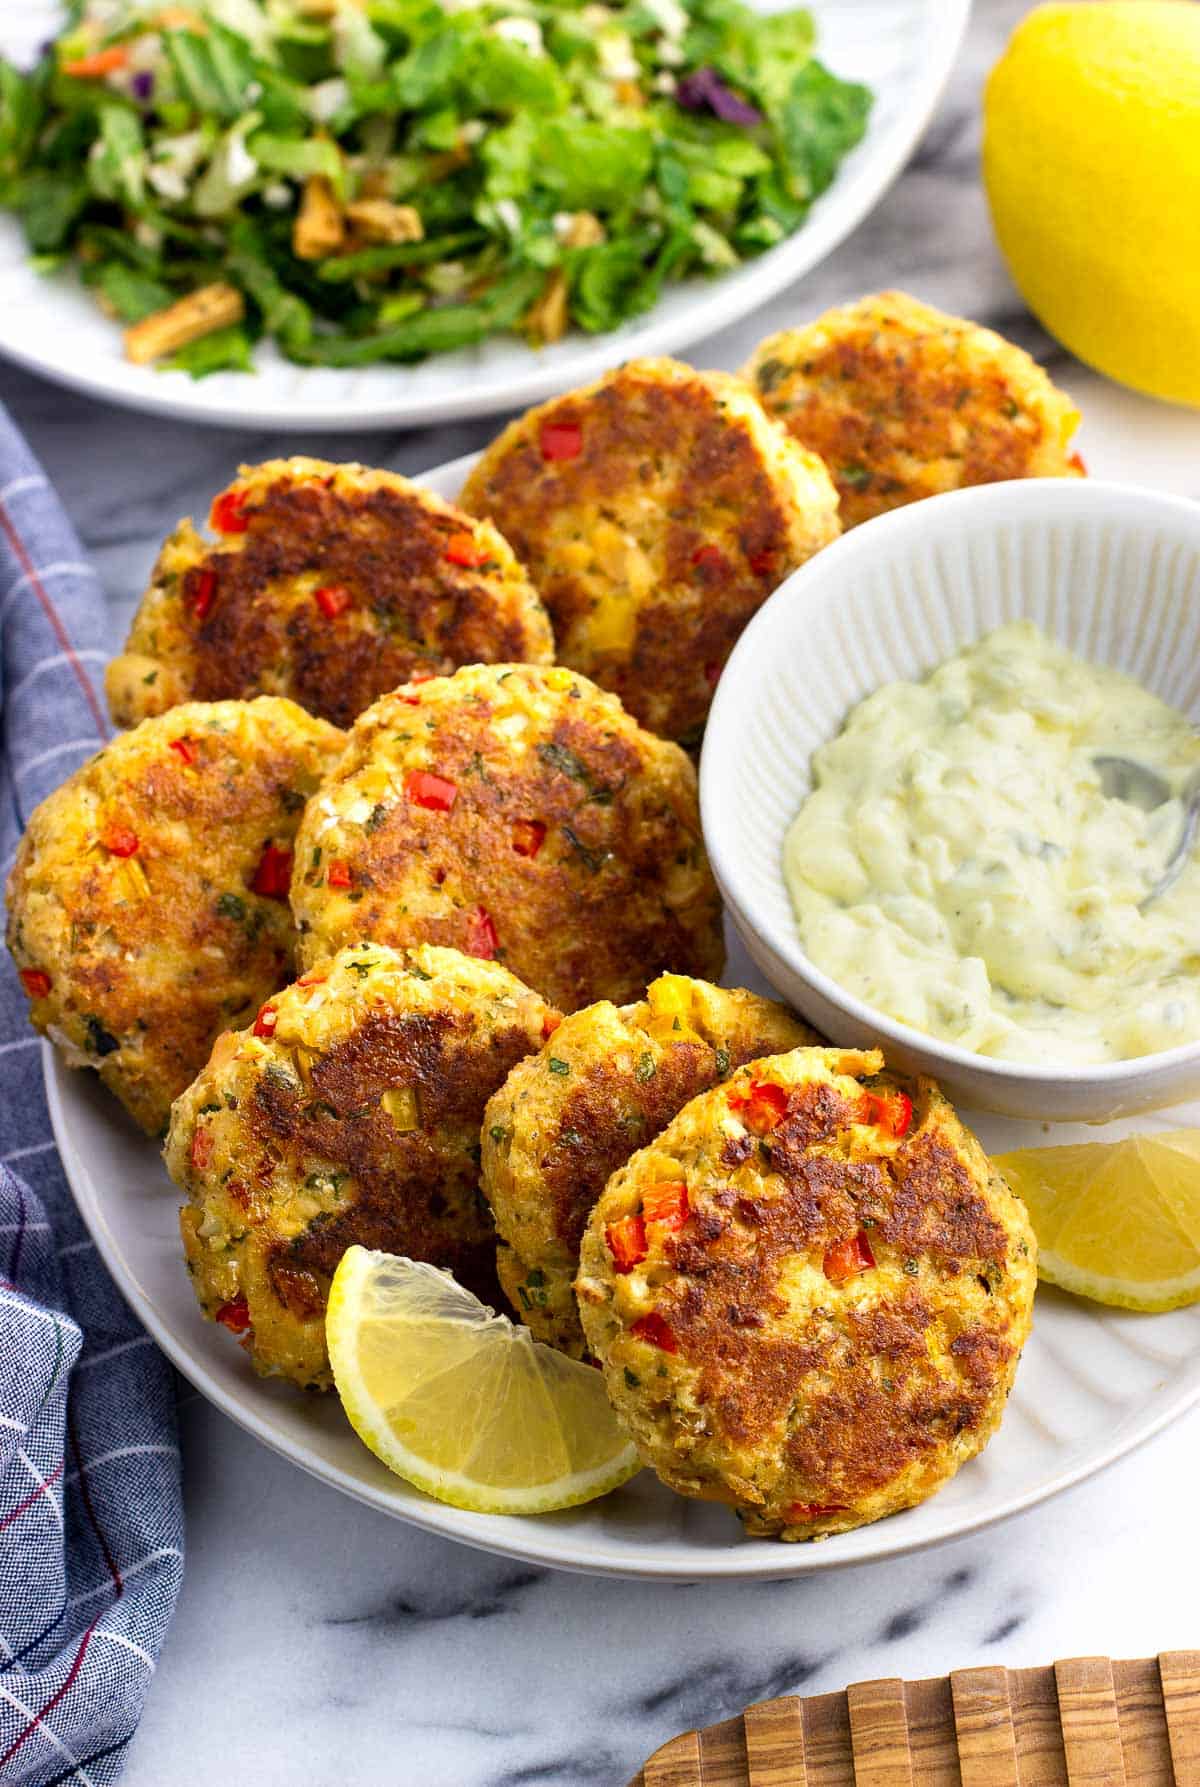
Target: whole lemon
<point>1091,159</point>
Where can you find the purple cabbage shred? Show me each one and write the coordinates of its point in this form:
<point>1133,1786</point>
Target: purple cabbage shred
<point>142,84</point>
<point>705,91</point>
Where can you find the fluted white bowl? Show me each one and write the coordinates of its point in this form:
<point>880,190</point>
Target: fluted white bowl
<point>1110,570</point>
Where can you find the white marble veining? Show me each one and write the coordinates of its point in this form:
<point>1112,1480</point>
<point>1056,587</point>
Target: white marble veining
<point>316,1641</point>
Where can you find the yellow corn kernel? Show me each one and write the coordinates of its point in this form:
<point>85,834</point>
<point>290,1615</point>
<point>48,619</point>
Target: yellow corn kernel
<point>403,1107</point>
<point>136,880</point>
<point>613,622</point>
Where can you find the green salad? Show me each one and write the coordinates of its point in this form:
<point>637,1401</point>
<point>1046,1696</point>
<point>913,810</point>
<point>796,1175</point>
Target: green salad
<point>372,180</point>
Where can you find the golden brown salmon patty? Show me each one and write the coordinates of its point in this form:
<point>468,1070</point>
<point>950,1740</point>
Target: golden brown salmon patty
<point>810,1294</point>
<point>655,511</point>
<point>902,402</point>
<point>348,1114</point>
<point>517,813</point>
<point>604,1085</point>
<point>147,909</point>
<point>328,583</point>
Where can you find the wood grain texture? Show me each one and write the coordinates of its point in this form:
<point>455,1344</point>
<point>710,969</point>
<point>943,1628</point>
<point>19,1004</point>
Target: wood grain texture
<point>677,1764</point>
<point>1084,1722</point>
<point>983,1724</point>
<point>1143,1718</point>
<point>1179,1675</point>
<point>879,1734</point>
<point>775,1744</point>
<point>1091,1728</point>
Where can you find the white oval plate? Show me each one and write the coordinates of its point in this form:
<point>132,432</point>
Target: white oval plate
<point>902,49</point>
<point>1093,1383</point>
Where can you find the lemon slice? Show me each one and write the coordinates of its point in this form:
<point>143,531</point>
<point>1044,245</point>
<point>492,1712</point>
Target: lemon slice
<point>464,1403</point>
<point>1116,1221</point>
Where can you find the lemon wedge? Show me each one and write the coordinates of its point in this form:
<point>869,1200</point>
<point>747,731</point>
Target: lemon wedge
<point>464,1403</point>
<point>1116,1221</point>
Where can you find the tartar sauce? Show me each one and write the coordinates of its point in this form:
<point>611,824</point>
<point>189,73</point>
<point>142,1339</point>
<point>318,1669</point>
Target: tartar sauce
<point>959,867</point>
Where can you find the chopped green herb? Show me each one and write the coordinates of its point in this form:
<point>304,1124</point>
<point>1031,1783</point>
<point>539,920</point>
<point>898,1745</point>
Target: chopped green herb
<point>557,1066</point>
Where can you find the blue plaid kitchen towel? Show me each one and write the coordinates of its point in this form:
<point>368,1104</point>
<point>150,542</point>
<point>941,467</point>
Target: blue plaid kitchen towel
<point>91,1517</point>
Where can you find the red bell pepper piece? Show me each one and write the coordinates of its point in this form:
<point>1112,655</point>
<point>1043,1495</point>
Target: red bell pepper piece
<point>655,1329</point>
<point>465,549</point>
<point>666,1204</point>
<point>228,513</point>
<point>119,840</point>
<point>423,789</point>
<point>762,1107</point>
<point>265,1022</point>
<point>626,1242</point>
<point>273,876</point>
<point>202,592</point>
<point>202,1147</point>
<point>339,875</point>
<point>844,1260</point>
<point>184,748</point>
<point>235,1316</point>
<point>799,1513</point>
<point>36,981</point>
<point>528,836</point>
<point>332,599</point>
<point>889,1111</point>
<point>561,440</point>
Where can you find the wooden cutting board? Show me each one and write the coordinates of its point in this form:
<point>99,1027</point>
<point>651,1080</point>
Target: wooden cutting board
<point>1087,1722</point>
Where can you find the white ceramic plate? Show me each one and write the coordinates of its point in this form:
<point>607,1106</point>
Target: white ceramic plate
<point>1093,1383</point>
<point>902,49</point>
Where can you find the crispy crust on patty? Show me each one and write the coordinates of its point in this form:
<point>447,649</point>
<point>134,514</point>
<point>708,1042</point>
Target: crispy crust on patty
<point>133,891</point>
<point>903,401</point>
<point>834,1327</point>
<point>515,812</point>
<point>656,541</point>
<point>605,1084</point>
<point>356,1121</point>
<point>415,587</point>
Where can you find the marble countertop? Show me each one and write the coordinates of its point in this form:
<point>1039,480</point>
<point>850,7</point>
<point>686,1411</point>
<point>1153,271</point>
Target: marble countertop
<point>316,1639</point>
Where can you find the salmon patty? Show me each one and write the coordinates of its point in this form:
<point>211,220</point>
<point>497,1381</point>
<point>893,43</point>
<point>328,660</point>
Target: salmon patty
<point>655,511</point>
<point>903,402</point>
<point>148,908</point>
<point>514,813</point>
<point>809,1294</point>
<point>605,1084</point>
<point>348,1113</point>
<point>327,583</point>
